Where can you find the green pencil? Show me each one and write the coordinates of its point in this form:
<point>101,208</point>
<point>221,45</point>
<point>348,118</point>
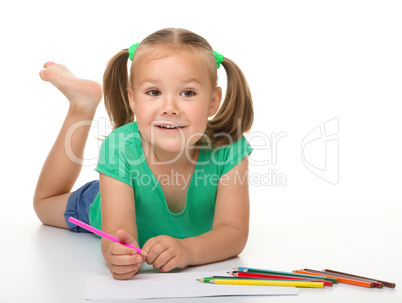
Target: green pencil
<point>288,283</point>
<point>283,273</point>
<point>208,279</point>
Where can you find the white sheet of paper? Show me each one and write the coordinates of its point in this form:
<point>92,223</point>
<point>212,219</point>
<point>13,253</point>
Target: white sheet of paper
<point>171,285</point>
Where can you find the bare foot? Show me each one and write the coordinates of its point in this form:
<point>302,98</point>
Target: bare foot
<point>82,94</point>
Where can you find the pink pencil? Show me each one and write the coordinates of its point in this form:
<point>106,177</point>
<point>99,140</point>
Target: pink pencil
<point>105,235</point>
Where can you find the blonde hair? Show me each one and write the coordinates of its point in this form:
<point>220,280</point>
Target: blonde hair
<point>237,106</point>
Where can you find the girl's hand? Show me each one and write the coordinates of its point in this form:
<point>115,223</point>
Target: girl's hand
<point>167,253</point>
<point>124,262</point>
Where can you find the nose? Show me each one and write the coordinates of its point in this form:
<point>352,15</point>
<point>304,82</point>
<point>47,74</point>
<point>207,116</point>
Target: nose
<point>169,106</point>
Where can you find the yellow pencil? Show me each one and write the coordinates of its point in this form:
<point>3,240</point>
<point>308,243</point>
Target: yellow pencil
<point>266,282</point>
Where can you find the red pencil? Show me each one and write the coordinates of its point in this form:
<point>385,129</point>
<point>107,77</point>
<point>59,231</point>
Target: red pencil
<point>264,276</point>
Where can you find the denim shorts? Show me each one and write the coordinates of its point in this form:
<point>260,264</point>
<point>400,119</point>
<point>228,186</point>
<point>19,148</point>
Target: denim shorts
<point>78,204</point>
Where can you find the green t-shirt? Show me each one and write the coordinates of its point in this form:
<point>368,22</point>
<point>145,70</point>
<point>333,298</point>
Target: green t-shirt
<point>121,157</point>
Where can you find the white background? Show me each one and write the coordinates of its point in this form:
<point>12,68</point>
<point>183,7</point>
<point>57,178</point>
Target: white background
<point>306,62</point>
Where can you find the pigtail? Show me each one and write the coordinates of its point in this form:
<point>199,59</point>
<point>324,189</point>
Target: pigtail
<point>115,82</point>
<point>236,115</point>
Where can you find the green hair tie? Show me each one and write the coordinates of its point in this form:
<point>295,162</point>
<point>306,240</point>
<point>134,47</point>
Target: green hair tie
<point>218,58</point>
<point>131,50</point>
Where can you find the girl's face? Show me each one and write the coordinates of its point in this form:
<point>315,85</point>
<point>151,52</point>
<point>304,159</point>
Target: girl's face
<point>172,99</point>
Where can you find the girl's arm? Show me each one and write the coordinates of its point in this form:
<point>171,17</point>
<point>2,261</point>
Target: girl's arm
<point>228,236</point>
<point>229,233</point>
<point>118,219</point>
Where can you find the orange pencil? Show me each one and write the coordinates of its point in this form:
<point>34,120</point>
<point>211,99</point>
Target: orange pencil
<point>375,283</point>
<point>386,284</point>
<point>340,279</point>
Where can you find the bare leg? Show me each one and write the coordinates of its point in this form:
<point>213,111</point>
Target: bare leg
<point>60,170</point>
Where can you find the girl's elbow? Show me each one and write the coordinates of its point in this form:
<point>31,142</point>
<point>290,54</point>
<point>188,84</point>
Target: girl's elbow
<point>241,241</point>
<point>243,245</point>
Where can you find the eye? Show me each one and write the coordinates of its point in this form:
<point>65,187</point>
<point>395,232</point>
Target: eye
<point>153,93</point>
<point>188,93</point>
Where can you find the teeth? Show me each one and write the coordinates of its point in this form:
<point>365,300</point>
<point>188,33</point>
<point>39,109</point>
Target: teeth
<point>168,126</point>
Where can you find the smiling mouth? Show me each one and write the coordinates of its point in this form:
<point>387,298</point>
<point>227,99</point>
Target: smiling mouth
<point>169,126</point>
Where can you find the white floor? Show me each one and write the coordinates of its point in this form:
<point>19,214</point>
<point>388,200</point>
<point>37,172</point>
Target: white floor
<point>46,264</point>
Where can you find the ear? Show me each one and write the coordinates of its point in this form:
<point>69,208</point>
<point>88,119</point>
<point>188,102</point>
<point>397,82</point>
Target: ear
<point>215,102</point>
<point>130,93</point>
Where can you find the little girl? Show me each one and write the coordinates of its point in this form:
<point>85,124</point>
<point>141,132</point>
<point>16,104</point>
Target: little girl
<point>171,180</point>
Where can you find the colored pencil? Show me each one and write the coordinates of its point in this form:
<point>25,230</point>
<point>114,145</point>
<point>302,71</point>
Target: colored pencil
<point>266,276</point>
<point>386,284</point>
<point>375,283</point>
<point>105,235</point>
<point>267,282</point>
<point>283,273</point>
<point>207,279</point>
<point>340,279</point>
